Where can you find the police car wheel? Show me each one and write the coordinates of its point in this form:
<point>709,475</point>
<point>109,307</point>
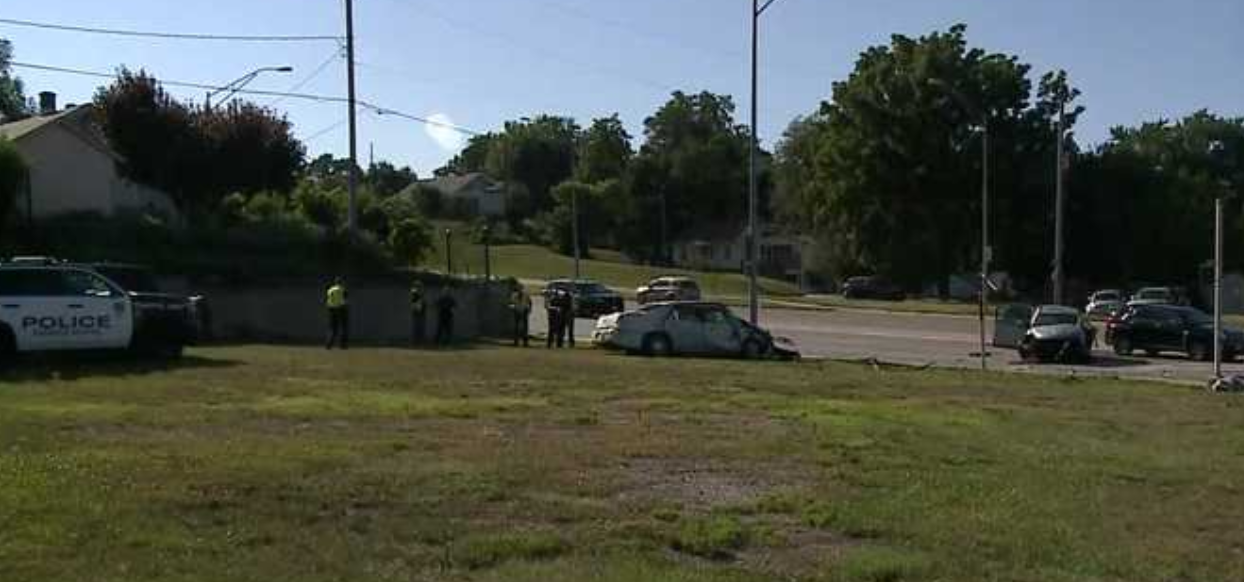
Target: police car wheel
<point>8,346</point>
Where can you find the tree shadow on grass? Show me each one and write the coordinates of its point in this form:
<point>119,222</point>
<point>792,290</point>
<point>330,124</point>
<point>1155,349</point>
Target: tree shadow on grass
<point>72,367</point>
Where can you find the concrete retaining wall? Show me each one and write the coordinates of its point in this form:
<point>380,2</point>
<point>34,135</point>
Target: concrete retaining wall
<point>379,310</point>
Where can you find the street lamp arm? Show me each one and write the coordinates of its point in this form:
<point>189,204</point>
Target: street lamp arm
<point>237,84</point>
<point>765,6</point>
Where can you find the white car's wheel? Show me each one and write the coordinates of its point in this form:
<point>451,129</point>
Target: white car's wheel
<point>752,350</point>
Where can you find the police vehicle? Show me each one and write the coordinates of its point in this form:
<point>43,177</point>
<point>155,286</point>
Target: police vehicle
<point>48,305</point>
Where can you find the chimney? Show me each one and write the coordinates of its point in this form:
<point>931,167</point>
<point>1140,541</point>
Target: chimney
<point>47,103</point>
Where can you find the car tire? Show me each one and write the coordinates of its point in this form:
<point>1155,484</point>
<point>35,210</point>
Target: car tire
<point>1122,345</point>
<point>658,344</point>
<point>752,350</point>
<point>8,347</point>
<point>1200,351</point>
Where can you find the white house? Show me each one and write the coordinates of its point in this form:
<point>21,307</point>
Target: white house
<point>477,193</point>
<point>73,169</point>
<point>722,247</point>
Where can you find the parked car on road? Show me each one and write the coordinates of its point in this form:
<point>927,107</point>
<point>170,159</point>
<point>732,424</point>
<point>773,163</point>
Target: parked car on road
<point>591,299</point>
<point>688,328</point>
<point>664,289</point>
<point>1045,333</point>
<point>871,288</point>
<point>1159,296</point>
<point>1104,303</point>
<point>1155,329</point>
<point>55,306</point>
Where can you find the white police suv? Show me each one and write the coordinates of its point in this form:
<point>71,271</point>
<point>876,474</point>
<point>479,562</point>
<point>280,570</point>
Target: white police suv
<point>47,305</point>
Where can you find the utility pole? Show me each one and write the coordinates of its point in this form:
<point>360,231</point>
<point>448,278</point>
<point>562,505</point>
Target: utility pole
<point>351,215</point>
<point>753,294</point>
<point>1218,288</point>
<point>574,229</point>
<point>665,254</point>
<point>449,252</point>
<point>1059,204</point>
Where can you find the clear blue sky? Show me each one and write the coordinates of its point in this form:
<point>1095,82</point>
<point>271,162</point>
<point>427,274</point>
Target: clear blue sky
<point>481,62</point>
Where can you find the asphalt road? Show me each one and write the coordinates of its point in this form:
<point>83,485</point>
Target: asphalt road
<point>930,340</point>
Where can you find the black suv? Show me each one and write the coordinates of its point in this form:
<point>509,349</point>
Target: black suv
<point>1171,328</point>
<point>139,281</point>
<point>591,299</point>
<point>871,288</point>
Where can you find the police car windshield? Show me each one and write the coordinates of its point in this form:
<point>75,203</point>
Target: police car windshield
<point>133,280</point>
<point>592,288</point>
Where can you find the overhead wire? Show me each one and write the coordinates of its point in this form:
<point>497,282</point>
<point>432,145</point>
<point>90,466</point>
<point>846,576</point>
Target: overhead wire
<point>336,54</point>
<point>170,35</point>
<point>378,109</point>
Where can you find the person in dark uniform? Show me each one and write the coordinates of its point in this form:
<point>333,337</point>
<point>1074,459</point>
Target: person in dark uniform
<point>568,317</point>
<point>418,314</point>
<point>520,307</point>
<point>337,301</point>
<point>553,308</point>
<point>445,316</point>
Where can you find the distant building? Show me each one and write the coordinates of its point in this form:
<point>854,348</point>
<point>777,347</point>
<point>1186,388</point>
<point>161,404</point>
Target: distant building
<point>74,169</point>
<point>723,247</point>
<point>473,194</point>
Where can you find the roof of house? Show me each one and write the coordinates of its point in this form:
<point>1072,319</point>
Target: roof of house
<point>454,184</point>
<point>77,121</point>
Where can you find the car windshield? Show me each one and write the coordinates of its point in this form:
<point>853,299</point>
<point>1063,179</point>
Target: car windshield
<point>1152,294</point>
<point>135,280</point>
<point>1045,319</point>
<point>1106,296</point>
<point>592,289</point>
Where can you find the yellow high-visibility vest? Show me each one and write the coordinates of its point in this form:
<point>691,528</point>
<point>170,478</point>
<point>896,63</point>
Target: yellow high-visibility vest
<point>336,297</point>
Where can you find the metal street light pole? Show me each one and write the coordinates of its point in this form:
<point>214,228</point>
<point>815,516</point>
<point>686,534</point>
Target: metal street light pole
<point>238,84</point>
<point>753,235</point>
<point>449,253</point>
<point>1218,287</point>
<point>574,229</point>
<point>1059,208</point>
<point>986,251</point>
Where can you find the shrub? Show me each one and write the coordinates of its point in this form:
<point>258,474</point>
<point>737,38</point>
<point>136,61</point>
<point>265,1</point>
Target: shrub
<point>12,176</point>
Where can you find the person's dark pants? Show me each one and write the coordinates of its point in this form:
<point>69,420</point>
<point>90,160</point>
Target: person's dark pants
<point>339,327</point>
<point>445,330</point>
<point>521,331</point>
<point>555,330</point>
<point>418,323</point>
<point>568,330</point>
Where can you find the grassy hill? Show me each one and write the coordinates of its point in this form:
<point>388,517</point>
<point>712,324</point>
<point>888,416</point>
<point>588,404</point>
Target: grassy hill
<point>609,267</point>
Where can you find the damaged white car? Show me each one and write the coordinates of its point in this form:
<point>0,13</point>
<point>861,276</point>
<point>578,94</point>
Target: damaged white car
<point>689,328</point>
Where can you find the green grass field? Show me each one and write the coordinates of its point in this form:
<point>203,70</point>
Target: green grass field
<point>268,463</point>
<point>608,267</point>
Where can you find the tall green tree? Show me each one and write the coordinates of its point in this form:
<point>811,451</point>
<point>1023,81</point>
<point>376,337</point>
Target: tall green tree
<point>13,104</point>
<point>385,179</point>
<point>894,160</point>
<point>472,158</point>
<point>605,151</point>
<point>537,153</point>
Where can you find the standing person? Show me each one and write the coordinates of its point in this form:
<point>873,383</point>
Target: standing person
<point>520,306</point>
<point>418,314</point>
<point>445,316</point>
<point>568,317</point>
<point>337,300</point>
<point>552,307</point>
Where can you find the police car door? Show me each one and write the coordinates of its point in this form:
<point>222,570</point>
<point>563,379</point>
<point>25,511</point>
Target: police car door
<point>98,313</point>
<point>1011,325</point>
<point>31,300</point>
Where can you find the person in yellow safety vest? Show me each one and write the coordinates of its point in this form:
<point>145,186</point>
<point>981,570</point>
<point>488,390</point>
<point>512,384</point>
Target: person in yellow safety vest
<point>520,306</point>
<point>418,314</point>
<point>337,300</point>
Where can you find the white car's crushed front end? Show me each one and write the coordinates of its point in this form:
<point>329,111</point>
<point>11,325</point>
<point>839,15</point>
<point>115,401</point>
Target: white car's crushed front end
<point>618,331</point>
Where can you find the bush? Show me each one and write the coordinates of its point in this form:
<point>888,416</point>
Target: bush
<point>715,538</point>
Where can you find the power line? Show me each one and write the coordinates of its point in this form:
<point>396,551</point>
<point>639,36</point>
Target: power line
<point>378,109</point>
<point>336,54</point>
<point>325,131</point>
<point>169,35</point>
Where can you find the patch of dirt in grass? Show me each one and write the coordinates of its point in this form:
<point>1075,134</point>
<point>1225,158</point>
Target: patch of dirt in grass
<point>799,552</point>
<point>701,484</point>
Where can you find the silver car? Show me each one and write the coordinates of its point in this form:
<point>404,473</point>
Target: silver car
<point>668,289</point>
<point>688,328</point>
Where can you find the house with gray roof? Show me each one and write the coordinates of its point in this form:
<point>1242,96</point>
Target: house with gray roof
<point>476,194</point>
<point>72,167</point>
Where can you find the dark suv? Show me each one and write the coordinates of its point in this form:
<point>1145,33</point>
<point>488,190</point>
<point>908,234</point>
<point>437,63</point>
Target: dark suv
<point>190,312</point>
<point>591,299</point>
<point>871,288</point>
<point>1170,328</point>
